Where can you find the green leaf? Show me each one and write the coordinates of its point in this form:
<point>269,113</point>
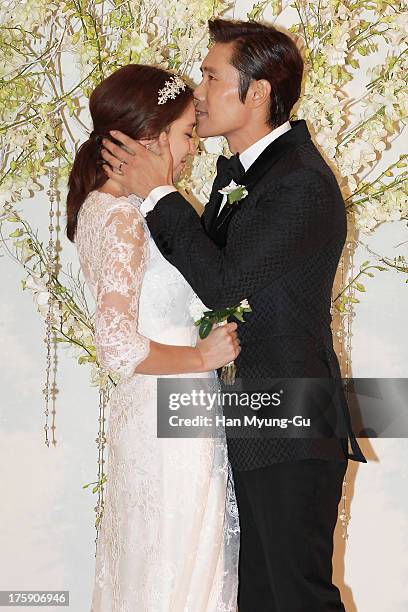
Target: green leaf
<point>85,486</point>
<point>86,359</point>
<point>359,286</point>
<point>389,126</point>
<point>238,194</point>
<point>17,233</point>
<point>224,313</point>
<point>205,328</point>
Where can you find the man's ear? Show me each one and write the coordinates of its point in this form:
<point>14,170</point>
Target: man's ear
<point>259,93</point>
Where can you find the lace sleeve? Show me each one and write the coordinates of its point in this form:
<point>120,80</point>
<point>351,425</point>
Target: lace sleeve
<point>123,252</point>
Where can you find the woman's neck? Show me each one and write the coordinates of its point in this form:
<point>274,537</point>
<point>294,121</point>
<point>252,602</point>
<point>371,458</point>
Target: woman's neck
<point>114,189</point>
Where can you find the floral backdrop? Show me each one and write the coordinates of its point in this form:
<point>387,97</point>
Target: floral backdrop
<point>44,118</point>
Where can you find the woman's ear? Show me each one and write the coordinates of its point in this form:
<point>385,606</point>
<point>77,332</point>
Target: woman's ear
<point>150,143</point>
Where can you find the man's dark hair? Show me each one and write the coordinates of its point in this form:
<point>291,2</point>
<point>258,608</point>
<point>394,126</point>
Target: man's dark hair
<point>263,52</point>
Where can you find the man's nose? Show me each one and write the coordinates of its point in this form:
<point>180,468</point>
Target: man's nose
<point>199,92</point>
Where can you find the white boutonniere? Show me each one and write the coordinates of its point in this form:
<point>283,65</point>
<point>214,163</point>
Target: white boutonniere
<point>234,193</point>
<point>205,319</point>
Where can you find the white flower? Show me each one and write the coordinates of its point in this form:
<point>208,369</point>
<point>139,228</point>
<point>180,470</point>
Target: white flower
<point>336,50</point>
<point>354,155</point>
<point>196,308</point>
<point>397,31</point>
<point>138,42</point>
<point>228,189</point>
<point>392,205</point>
<point>202,175</point>
<point>327,140</point>
<point>37,285</point>
<point>234,192</point>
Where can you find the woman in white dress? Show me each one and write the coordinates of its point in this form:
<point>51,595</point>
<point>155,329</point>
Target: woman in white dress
<point>169,536</point>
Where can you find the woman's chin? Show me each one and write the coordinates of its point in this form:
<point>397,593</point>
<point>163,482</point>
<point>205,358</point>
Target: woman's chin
<point>178,172</point>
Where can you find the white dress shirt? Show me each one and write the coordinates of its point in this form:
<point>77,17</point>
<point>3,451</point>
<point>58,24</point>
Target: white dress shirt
<point>247,158</point>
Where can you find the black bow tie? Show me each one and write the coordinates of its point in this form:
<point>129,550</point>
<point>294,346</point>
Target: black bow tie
<point>230,170</point>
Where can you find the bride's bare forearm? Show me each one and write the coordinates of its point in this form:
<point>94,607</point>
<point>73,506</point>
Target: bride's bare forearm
<point>169,359</point>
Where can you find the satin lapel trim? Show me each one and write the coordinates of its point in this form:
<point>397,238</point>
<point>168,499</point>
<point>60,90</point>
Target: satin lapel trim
<point>226,213</point>
<point>212,208</point>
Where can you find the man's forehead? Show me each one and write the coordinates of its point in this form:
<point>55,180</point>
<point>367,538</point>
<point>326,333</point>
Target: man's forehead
<point>217,57</point>
<point>207,68</point>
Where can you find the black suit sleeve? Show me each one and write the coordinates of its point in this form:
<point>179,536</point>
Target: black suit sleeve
<point>266,240</point>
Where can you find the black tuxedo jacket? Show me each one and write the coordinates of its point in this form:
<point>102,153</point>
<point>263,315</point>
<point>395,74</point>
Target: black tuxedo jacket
<point>279,248</point>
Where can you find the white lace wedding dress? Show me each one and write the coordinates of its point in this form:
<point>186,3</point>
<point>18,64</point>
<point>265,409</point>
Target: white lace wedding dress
<point>169,537</point>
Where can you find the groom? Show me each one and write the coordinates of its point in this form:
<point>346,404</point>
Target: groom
<point>279,247</point>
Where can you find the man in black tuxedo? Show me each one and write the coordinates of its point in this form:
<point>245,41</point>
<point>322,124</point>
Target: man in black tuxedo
<point>279,247</point>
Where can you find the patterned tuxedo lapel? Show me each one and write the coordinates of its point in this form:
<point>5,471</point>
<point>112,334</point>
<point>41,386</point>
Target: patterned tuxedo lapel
<point>299,134</point>
<point>216,225</point>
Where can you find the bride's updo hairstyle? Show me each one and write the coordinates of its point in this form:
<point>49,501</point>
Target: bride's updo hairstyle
<point>126,101</point>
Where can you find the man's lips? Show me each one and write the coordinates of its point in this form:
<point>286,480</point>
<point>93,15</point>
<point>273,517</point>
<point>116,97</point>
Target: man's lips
<point>200,113</point>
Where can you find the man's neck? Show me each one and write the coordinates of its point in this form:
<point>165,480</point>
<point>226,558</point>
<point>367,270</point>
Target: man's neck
<point>241,140</point>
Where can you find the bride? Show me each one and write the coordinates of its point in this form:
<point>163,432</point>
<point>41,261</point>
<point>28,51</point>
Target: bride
<point>169,536</point>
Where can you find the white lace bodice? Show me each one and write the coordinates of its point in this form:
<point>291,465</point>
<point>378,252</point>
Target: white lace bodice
<point>138,294</point>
